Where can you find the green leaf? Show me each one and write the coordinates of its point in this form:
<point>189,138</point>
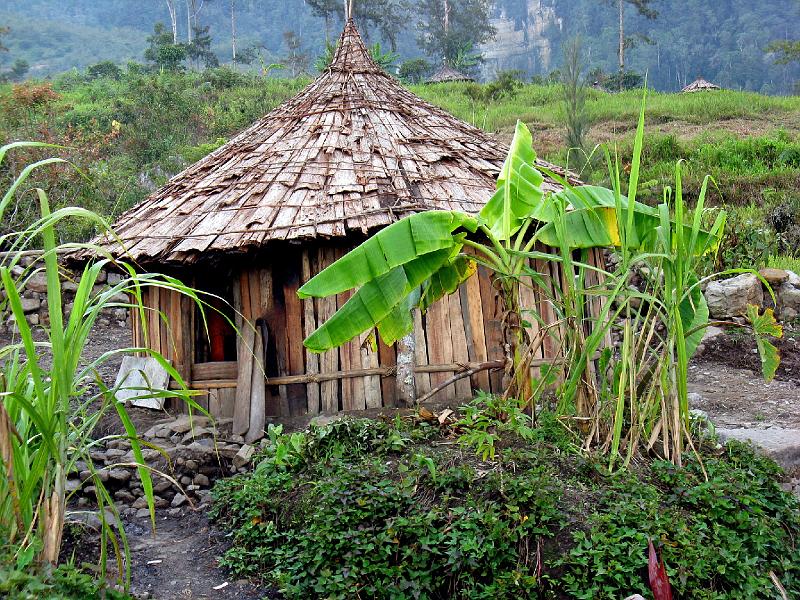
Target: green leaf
<point>765,325</point>
<point>396,245</point>
<point>519,195</point>
<point>694,316</point>
<point>375,301</point>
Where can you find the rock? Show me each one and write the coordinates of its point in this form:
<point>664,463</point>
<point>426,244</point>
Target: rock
<point>782,445</point>
<point>186,480</point>
<point>730,297</point>
<point>184,423</point>
<point>32,318</point>
<point>72,485</point>
<point>198,433</point>
<point>774,276</point>
<point>192,465</point>
<point>244,456</point>
<point>102,475</point>
<point>140,502</point>
<point>125,496</point>
<point>98,456</point>
<point>30,304</point>
<point>174,512</point>
<point>69,286</point>
<point>201,480</point>
<point>162,486</point>
<point>143,513</point>
<point>37,282</point>
<point>91,519</point>
<point>178,500</point>
<point>161,502</point>
<point>119,474</point>
<point>788,300</point>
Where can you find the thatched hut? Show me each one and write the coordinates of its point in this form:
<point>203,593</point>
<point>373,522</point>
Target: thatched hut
<point>261,215</point>
<point>699,85</point>
<point>446,73</point>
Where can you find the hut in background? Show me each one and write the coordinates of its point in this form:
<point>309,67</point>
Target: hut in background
<point>699,85</point>
<point>447,74</point>
<point>258,217</point>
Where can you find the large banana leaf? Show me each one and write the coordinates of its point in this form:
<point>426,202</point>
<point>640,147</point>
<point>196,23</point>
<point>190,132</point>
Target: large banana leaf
<point>396,245</point>
<point>378,299</point>
<point>694,316</point>
<point>591,221</point>
<point>519,195</point>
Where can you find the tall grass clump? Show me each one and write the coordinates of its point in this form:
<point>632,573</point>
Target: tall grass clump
<point>50,398</point>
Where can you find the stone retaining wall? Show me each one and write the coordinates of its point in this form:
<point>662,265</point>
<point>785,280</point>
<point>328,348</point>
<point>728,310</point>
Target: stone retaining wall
<point>34,295</point>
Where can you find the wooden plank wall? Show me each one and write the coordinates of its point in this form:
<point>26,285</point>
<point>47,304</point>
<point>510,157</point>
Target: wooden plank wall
<point>462,328</point>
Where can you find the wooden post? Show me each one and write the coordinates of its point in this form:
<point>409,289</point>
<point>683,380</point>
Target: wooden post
<point>406,385</point>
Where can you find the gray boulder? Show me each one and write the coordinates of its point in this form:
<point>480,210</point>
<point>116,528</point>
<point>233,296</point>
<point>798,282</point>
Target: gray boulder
<point>729,298</point>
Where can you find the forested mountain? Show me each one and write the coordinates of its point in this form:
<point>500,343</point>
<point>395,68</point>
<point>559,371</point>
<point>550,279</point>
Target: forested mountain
<point>723,40</point>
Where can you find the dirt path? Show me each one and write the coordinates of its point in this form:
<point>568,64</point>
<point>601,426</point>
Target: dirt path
<point>179,562</point>
<point>735,397</point>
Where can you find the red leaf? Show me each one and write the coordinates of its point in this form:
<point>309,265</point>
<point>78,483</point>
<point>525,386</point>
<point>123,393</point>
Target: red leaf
<point>659,582</point>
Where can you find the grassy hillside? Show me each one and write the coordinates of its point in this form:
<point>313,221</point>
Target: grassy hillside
<point>129,134</point>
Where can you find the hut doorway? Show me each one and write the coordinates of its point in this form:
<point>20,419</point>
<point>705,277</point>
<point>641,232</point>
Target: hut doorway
<point>215,336</point>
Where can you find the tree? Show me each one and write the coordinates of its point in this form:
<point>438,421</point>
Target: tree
<point>19,69</point>
<point>574,82</point>
<point>3,32</point>
<point>415,70</point>
<point>199,49</point>
<point>173,19</point>
<point>296,61</point>
<point>644,9</point>
<point>162,52</point>
<point>388,16</point>
<point>448,28</point>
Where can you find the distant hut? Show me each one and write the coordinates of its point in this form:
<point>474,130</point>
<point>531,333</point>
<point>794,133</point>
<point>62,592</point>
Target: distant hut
<point>447,74</point>
<point>700,85</point>
<point>258,217</point>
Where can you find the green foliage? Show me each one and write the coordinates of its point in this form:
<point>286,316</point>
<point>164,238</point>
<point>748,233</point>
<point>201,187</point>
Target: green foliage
<point>489,418</point>
<point>719,537</point>
<point>381,525</point>
<point>65,582</point>
<point>163,52</point>
<point>357,517</point>
<point>416,70</point>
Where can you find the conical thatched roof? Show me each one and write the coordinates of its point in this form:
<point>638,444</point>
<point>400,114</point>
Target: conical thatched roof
<point>353,152</point>
<point>447,73</point>
<point>700,85</point>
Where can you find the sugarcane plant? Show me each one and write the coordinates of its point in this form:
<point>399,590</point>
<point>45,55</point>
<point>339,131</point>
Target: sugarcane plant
<point>414,262</point>
<point>51,399</point>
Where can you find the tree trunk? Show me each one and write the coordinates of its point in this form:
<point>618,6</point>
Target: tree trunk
<point>621,7</point>
<point>233,32</point>
<point>173,18</point>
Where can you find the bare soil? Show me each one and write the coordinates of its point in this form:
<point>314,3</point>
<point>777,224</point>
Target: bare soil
<point>179,560</point>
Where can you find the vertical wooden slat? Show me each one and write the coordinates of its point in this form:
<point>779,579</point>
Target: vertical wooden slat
<point>227,401</point>
<point>294,338</point>
<point>329,360</point>
<point>372,383</point>
<point>214,403</point>
<point>153,330</point>
<point>387,358</point>
<point>258,387</point>
<point>492,326</point>
<point>309,325</point>
<point>440,349</point>
<point>472,311</point>
<point>423,380</point>
<point>530,310</point>
<point>241,411</point>
<point>163,306</point>
<point>187,337</point>
<point>345,359</point>
<point>462,388</point>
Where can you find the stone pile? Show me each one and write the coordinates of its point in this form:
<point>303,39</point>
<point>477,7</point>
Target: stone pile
<point>728,298</point>
<point>190,454</point>
<point>34,296</point>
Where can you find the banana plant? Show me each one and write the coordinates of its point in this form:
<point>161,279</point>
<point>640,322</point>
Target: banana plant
<point>414,262</point>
